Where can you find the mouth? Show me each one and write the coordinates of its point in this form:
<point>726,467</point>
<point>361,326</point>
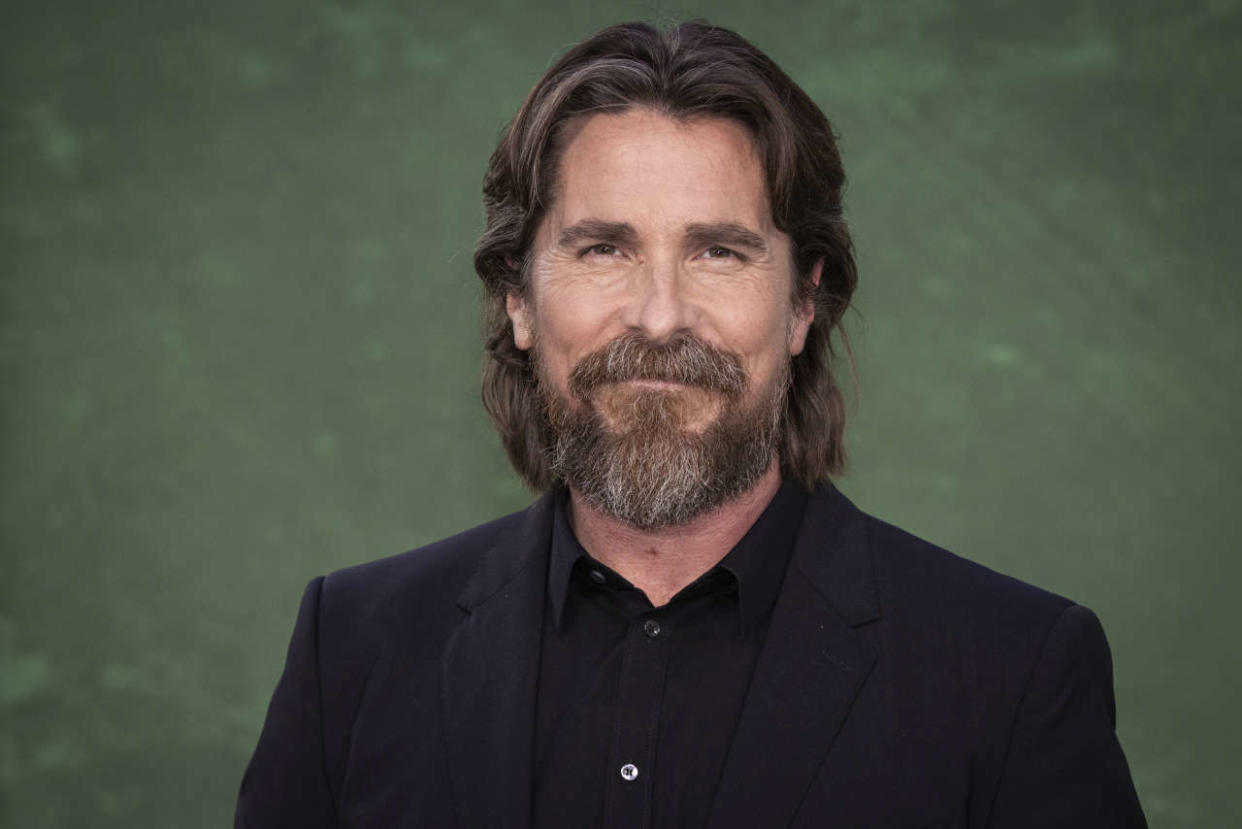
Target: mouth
<point>648,406</point>
<point>656,385</point>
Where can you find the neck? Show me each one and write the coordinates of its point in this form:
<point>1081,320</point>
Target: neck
<point>661,562</point>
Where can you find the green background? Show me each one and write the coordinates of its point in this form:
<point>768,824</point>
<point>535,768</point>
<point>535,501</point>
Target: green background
<point>239,342</point>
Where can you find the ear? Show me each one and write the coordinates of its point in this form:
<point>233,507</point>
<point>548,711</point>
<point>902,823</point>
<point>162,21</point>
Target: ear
<point>804,316</point>
<point>520,315</point>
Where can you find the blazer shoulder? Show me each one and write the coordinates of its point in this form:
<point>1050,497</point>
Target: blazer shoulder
<point>925,593</point>
<point>907,564</point>
<point>1020,675</point>
<point>409,599</point>
<point>944,612</point>
<point>432,574</point>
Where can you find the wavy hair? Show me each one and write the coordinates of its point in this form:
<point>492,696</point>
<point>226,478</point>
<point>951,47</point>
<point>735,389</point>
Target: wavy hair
<point>691,70</point>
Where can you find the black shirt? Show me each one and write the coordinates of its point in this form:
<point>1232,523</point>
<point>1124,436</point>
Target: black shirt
<point>637,705</point>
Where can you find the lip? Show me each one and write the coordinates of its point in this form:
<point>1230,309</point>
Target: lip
<point>659,385</point>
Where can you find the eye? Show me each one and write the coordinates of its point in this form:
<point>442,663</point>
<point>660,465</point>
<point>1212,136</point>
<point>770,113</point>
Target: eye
<point>720,252</point>
<point>602,249</point>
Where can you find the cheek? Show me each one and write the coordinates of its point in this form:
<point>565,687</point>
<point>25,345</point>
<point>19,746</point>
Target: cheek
<point>761,337</point>
<point>565,332</point>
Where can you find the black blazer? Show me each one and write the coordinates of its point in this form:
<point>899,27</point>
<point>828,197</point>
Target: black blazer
<point>899,686</point>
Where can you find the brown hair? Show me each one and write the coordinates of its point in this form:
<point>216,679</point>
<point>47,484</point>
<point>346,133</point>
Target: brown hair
<point>693,69</point>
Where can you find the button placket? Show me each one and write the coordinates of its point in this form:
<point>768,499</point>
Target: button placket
<point>627,800</point>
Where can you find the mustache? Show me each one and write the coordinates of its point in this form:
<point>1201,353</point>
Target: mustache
<point>684,358</point>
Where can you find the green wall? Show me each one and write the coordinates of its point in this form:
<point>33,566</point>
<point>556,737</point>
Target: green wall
<point>239,342</point>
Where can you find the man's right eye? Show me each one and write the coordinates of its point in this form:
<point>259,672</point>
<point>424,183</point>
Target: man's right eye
<point>603,249</point>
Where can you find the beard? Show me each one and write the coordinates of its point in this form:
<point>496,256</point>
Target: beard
<point>637,453</point>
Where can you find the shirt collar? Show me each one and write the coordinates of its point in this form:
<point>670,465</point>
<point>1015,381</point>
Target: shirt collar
<point>757,561</point>
<point>565,554</point>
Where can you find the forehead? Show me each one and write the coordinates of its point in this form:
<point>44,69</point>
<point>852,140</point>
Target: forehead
<point>642,166</point>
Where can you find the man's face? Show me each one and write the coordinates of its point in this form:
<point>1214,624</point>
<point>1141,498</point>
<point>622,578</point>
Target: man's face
<point>659,259</point>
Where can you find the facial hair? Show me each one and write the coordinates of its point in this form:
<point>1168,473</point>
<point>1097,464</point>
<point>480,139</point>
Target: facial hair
<point>642,464</point>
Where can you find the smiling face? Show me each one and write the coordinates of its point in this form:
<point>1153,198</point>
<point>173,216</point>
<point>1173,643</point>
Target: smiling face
<point>660,293</point>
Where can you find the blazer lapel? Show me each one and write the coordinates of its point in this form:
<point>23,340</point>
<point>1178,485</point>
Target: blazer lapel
<point>811,667</point>
<point>490,674</point>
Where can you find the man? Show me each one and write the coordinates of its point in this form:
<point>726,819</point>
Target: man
<point>691,627</point>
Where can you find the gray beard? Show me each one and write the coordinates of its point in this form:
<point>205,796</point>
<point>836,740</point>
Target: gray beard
<point>655,473</point>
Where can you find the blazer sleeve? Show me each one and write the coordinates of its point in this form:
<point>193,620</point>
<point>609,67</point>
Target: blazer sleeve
<point>285,784</point>
<point>1064,765</point>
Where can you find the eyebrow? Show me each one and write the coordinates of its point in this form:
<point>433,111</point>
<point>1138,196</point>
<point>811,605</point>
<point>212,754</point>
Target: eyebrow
<point>698,234</point>
<point>729,234</point>
<point>598,230</point>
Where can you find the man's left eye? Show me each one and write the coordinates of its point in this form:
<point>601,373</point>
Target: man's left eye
<point>719,252</point>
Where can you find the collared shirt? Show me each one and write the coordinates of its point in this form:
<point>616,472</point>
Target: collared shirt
<point>637,705</point>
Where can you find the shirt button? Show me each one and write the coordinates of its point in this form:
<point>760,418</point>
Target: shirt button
<point>598,577</point>
<point>629,772</point>
<point>652,628</point>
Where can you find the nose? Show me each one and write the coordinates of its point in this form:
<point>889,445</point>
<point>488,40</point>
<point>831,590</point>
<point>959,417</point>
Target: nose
<point>661,305</point>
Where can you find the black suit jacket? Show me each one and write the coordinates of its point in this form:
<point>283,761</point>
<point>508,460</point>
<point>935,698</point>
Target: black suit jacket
<point>899,686</point>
